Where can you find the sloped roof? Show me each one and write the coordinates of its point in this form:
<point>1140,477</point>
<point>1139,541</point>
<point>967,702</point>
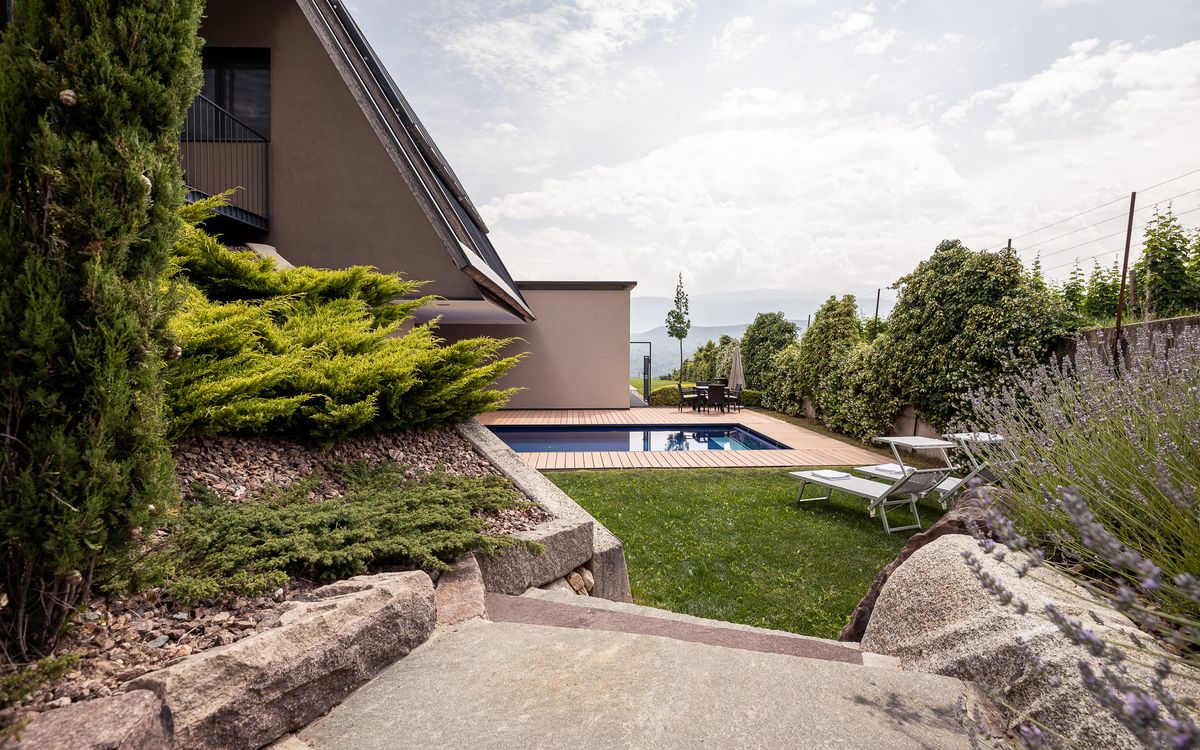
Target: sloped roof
<point>418,158</point>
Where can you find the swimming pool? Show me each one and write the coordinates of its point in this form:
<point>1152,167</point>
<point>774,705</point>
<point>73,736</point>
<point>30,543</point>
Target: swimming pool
<point>603,439</point>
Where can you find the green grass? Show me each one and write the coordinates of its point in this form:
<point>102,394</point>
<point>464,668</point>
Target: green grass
<point>656,383</point>
<point>732,544</point>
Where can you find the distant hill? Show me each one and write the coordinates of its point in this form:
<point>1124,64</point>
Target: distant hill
<point>724,309</point>
<point>666,349</point>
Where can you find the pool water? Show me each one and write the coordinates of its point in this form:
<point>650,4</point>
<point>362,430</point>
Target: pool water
<point>579,439</point>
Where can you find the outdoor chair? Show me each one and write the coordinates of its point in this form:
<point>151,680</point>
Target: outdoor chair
<point>906,490</point>
<point>734,398</point>
<point>687,398</point>
<point>949,489</point>
<point>715,397</point>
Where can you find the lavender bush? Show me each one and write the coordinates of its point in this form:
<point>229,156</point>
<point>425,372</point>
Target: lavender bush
<point>1102,465</point>
<point>1127,439</point>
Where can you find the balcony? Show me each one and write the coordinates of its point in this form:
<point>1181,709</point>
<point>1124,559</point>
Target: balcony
<point>219,152</point>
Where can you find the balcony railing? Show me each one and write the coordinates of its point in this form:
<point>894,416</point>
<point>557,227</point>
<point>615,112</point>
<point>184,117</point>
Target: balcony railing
<point>218,152</point>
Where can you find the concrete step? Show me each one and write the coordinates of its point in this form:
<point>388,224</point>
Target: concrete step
<point>586,613</point>
<point>591,602</point>
<point>502,685</point>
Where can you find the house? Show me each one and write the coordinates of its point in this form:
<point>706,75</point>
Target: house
<point>335,169</point>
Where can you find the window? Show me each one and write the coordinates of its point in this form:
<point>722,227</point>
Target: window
<point>238,80</point>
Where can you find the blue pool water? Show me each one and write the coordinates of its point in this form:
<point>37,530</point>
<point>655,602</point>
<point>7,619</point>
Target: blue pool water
<point>641,438</point>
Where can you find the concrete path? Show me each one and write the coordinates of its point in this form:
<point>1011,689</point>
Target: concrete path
<point>518,685</point>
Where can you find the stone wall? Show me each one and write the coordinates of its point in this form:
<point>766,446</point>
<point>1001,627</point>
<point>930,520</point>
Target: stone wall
<point>572,539</point>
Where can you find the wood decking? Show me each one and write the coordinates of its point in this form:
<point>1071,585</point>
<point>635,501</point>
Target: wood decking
<point>805,447</point>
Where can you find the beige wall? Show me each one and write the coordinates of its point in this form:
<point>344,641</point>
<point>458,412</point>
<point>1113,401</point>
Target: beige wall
<point>336,197</point>
<point>578,349</point>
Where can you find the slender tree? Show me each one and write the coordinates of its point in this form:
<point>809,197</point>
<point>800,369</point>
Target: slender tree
<point>92,100</point>
<point>678,322</point>
<point>1162,272</point>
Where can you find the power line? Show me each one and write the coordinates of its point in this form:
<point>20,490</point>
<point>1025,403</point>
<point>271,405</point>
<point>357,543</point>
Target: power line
<point>1103,205</point>
<point>1105,237</point>
<point>1105,221</point>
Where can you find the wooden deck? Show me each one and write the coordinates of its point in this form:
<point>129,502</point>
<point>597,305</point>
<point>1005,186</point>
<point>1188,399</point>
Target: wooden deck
<point>805,447</point>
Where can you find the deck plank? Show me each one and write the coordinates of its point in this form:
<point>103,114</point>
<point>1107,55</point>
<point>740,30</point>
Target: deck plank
<point>805,447</point>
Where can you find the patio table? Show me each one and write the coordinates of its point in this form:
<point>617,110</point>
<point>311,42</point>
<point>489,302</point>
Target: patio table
<point>965,440</point>
<point>915,442</point>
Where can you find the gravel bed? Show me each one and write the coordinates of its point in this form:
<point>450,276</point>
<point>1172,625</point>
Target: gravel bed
<point>118,640</point>
<point>238,468</point>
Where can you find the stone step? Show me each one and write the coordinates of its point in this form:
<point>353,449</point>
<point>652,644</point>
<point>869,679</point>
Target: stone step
<point>503,685</point>
<point>538,607</point>
<point>593,602</point>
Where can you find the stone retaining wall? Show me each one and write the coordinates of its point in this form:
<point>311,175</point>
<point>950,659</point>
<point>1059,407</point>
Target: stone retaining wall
<point>567,543</point>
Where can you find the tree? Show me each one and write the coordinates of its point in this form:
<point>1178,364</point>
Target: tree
<point>92,100</point>
<point>1100,297</point>
<point>1075,288</point>
<point>965,320</point>
<point>834,328</point>
<point>678,322</point>
<point>767,335</point>
<point>1165,288</point>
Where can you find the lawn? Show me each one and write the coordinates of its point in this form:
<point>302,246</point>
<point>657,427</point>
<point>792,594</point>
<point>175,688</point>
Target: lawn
<point>732,544</point>
<point>656,383</point>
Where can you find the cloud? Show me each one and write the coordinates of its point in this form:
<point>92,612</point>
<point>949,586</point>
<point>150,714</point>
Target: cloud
<point>737,40</point>
<point>1062,4</point>
<point>847,23</point>
<point>555,51</point>
<point>859,25</point>
<point>875,41</point>
<point>748,105</point>
<point>775,205</point>
<point>1092,79</point>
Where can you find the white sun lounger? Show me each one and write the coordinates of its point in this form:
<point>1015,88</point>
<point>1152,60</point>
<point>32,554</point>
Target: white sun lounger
<point>905,490</point>
<point>948,489</point>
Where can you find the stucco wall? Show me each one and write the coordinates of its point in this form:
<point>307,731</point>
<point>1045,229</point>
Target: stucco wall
<point>578,349</point>
<point>336,198</point>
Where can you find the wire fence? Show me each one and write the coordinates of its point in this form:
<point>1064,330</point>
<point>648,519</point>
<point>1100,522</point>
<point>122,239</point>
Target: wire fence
<point>1107,240</point>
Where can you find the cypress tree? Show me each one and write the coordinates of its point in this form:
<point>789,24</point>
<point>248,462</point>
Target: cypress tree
<point>92,99</point>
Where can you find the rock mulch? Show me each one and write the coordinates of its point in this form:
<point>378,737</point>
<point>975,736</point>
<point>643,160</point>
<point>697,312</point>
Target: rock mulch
<point>239,468</point>
<point>119,640</point>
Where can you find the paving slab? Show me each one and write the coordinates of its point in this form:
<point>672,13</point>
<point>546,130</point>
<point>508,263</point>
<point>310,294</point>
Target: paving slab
<point>506,685</point>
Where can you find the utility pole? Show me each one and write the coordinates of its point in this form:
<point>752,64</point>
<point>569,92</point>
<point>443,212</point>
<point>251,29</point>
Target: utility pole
<point>1010,244</point>
<point>1116,344</point>
<point>875,329</point>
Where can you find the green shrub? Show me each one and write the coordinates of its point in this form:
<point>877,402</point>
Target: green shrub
<point>834,329</point>
<point>966,320</point>
<point>781,382</point>
<point>19,684</point>
<point>92,100</point>
<point>751,397</point>
<point>222,549</point>
<point>850,396</point>
<point>312,352</point>
<point>668,395</point>
<point>764,338</point>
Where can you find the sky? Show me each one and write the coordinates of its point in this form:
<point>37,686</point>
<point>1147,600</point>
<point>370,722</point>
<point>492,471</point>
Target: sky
<point>812,147</point>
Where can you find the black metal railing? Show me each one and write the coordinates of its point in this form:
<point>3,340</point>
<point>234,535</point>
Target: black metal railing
<point>219,152</point>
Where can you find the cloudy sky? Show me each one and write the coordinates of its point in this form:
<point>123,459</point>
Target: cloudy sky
<point>798,145</point>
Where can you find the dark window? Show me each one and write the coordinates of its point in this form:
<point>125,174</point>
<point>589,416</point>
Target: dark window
<point>238,80</point>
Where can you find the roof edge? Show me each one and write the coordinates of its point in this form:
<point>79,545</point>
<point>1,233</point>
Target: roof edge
<point>581,286</point>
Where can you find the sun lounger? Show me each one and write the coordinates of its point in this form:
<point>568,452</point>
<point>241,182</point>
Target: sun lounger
<point>949,489</point>
<point>906,489</point>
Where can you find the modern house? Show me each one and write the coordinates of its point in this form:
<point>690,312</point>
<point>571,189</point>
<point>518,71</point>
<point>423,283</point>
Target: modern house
<point>335,169</point>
